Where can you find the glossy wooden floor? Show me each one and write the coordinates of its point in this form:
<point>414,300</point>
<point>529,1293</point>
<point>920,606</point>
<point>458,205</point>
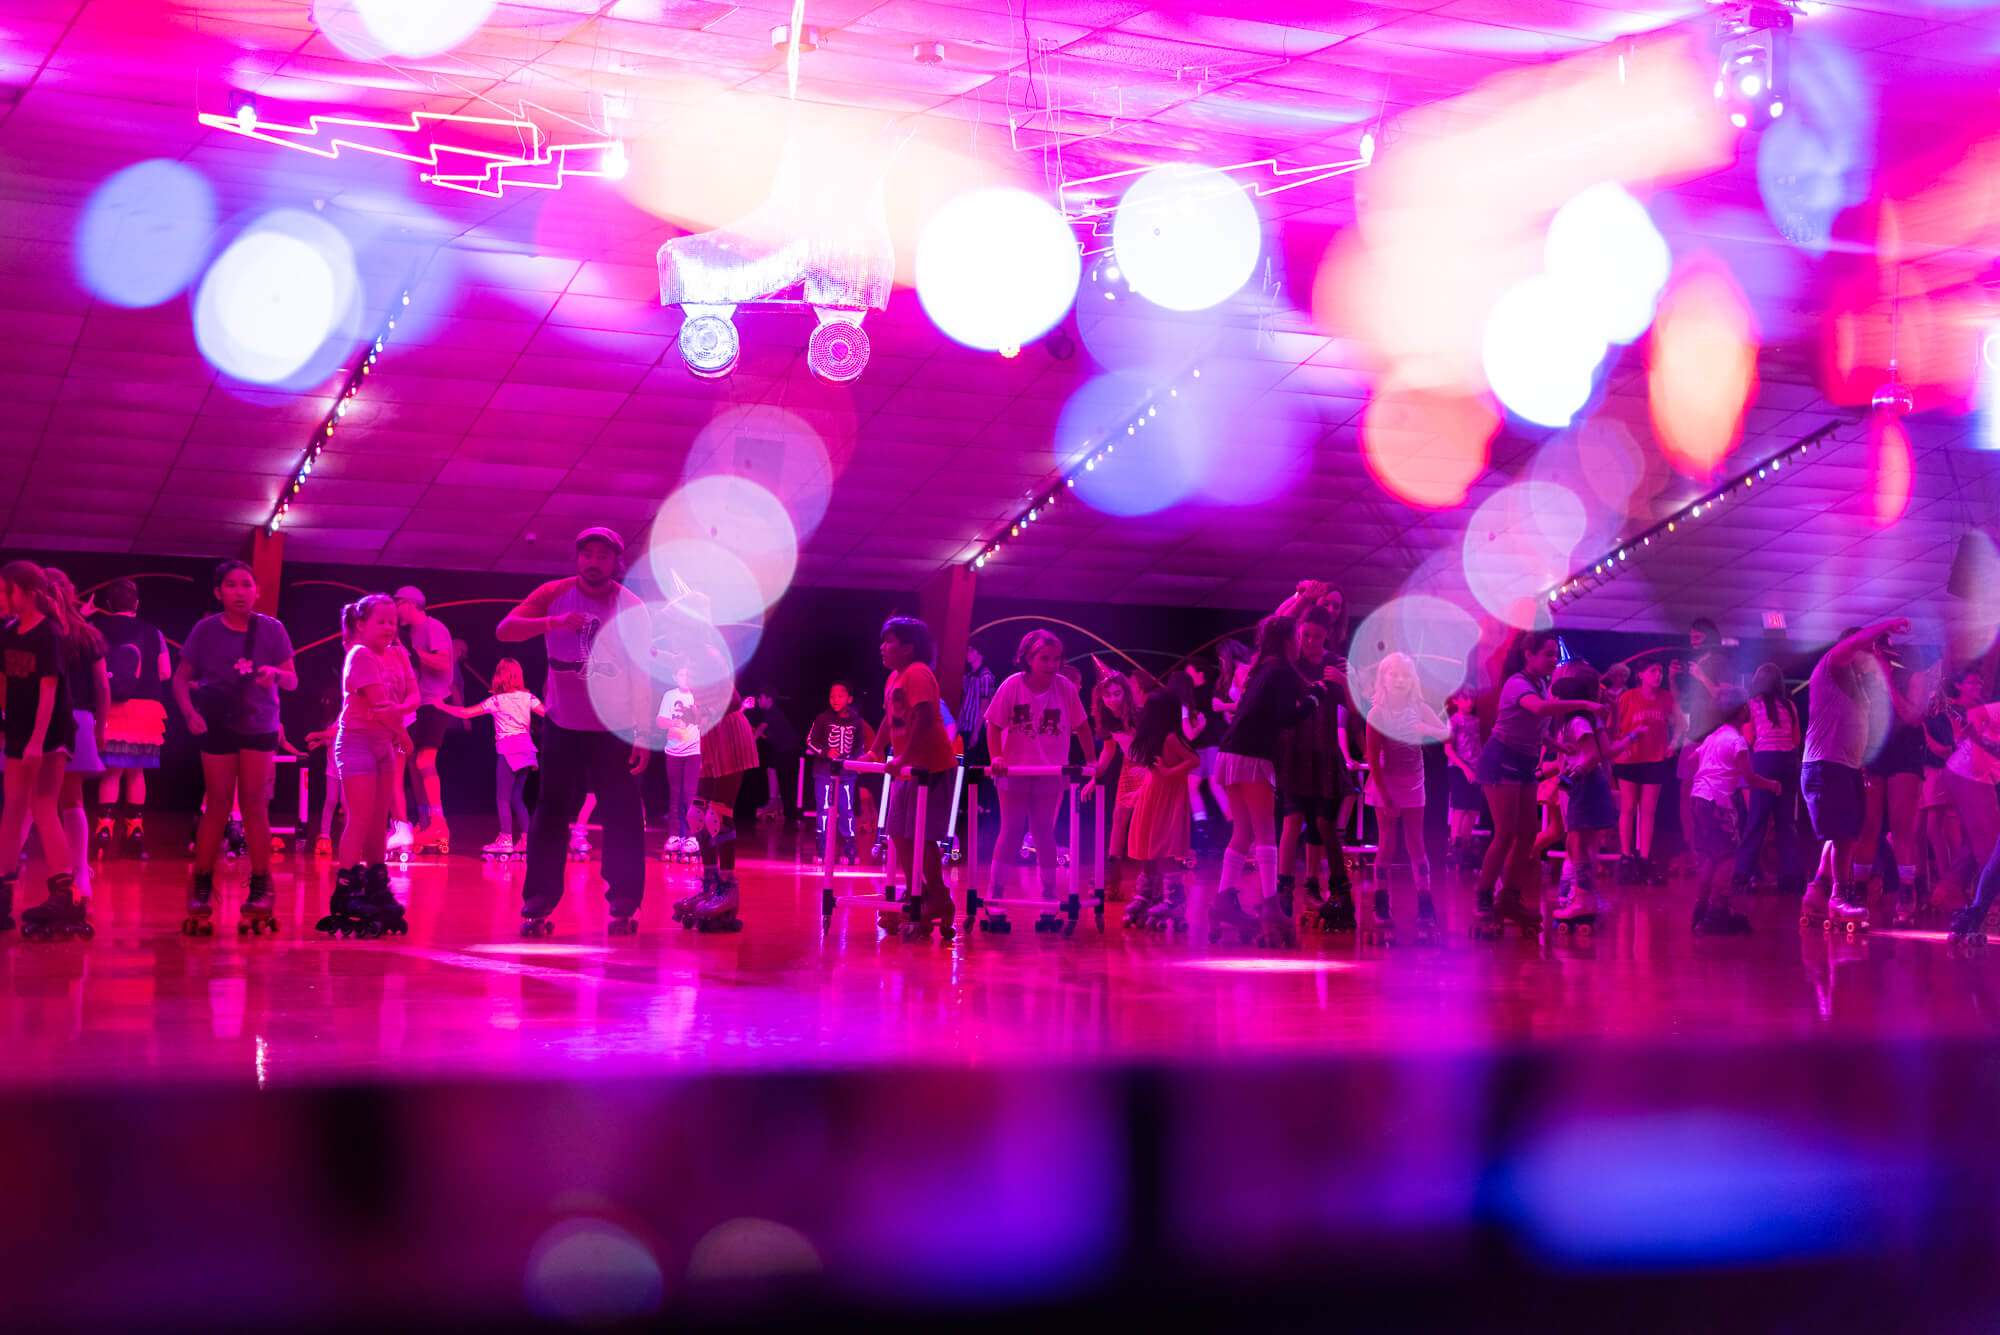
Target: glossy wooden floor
<point>464,994</point>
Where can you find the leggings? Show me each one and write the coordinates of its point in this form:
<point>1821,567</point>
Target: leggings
<point>510,788</point>
<point>1029,805</point>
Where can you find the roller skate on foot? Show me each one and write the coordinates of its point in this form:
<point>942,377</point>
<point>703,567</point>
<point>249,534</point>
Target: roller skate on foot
<point>259,913</point>
<point>401,836</point>
<point>932,911</point>
<point>579,844</point>
<point>1577,915</point>
<point>322,845</point>
<point>378,911</point>
<point>1276,928</point>
<point>340,919</point>
<point>622,924</point>
<point>1628,870</point>
<point>711,880</point>
<point>60,917</point>
<point>718,911</point>
<point>1847,910</point>
<point>7,902</point>
<point>1226,915</point>
<point>1903,914</point>
<point>1501,911</point>
<point>135,840</point>
<point>434,840</point>
<point>849,855</point>
<point>536,925</point>
<point>1286,885</point>
<point>1336,912</point>
<point>1381,928</point>
<point>1169,916</point>
<point>1968,927</point>
<point>502,849</point>
<point>1428,932</point>
<point>1813,906</point>
<point>200,920</point>
<point>1718,918</point>
<point>1145,899</point>
<point>103,839</point>
<point>234,845</point>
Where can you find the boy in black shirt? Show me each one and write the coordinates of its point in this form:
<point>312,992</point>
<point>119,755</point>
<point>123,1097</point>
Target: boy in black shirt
<point>839,733</point>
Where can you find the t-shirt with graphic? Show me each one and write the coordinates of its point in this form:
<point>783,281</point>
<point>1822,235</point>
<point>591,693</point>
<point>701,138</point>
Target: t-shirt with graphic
<point>1652,716</point>
<point>221,660</point>
<point>841,736</point>
<point>390,671</point>
<point>679,721</point>
<point>512,713</point>
<point>593,683</point>
<point>1035,726</point>
<point>27,656</point>
<point>916,685</point>
<point>433,684</point>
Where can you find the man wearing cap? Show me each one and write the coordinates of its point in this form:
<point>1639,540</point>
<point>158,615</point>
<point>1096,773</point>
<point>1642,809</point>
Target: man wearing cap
<point>429,644</point>
<point>600,715</point>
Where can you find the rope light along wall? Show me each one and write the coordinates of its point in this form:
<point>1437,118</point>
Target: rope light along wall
<point>1609,566</point>
<point>323,436</point>
<point>1093,455</point>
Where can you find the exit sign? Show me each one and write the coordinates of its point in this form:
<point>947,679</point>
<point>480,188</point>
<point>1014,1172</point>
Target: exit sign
<point>1774,621</point>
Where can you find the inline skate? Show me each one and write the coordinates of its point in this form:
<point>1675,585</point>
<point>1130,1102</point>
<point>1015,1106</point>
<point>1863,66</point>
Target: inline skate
<point>378,911</point>
<point>340,919</point>
<point>1169,916</point>
<point>259,912</point>
<point>200,920</point>
<point>1146,896</point>
<point>60,917</point>
<point>719,910</point>
<point>1226,915</point>
<point>1381,928</point>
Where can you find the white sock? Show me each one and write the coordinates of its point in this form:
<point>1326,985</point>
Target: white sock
<point>1267,869</point>
<point>76,824</point>
<point>1233,864</point>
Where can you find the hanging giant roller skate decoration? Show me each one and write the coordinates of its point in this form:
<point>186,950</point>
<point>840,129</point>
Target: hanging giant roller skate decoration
<point>821,241</point>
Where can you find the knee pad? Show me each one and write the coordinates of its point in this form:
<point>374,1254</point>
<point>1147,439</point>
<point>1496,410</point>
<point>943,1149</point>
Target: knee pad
<point>725,830</point>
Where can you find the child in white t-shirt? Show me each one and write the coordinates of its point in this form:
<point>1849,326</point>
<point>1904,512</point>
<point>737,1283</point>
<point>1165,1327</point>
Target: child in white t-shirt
<point>1722,765</point>
<point>512,707</point>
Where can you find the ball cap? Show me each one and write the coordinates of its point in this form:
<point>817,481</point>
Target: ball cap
<point>598,533</point>
<point>410,593</point>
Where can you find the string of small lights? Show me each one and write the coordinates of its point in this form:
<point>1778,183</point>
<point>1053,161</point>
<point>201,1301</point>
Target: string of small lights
<point>1094,454</point>
<point>323,436</point>
<point>1608,567</point>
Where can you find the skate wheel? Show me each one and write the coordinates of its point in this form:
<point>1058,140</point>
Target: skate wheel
<point>837,351</point>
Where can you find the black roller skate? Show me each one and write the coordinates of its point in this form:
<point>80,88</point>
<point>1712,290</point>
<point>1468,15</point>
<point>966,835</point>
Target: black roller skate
<point>622,924</point>
<point>60,917</point>
<point>135,840</point>
<point>1428,933</point>
<point>378,910</point>
<point>537,925</point>
<point>718,911</point>
<point>1719,919</point>
<point>1381,929</point>
<point>1277,930</point>
<point>103,839</point>
<point>200,920</point>
<point>849,855</point>
<point>258,915</point>
<point>234,845</point>
<point>711,880</point>
<point>1628,870</point>
<point>1170,914</point>
<point>340,919</point>
<point>7,902</point>
<point>1145,898</point>
<point>1226,915</point>
<point>1286,885</point>
<point>922,915</point>
<point>1968,927</point>
<point>1336,911</point>
<point>1496,912</point>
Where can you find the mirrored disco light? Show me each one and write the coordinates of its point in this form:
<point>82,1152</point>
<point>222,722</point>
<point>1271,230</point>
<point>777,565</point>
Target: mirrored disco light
<point>1755,40</point>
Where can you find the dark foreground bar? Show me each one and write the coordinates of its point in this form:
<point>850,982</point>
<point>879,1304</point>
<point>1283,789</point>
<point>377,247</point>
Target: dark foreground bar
<point>1673,1188</point>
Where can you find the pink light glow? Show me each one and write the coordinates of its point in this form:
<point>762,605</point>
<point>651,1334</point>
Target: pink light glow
<point>1702,369</point>
<point>1890,444</point>
<point>1427,447</point>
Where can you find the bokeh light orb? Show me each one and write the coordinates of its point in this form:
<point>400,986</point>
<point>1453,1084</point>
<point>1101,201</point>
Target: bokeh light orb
<point>1438,636</point>
<point>718,517</point>
<point>997,268</point>
<point>144,233</point>
<point>1894,466</point>
<point>1139,473</point>
<point>1238,445</point>
<point>682,565</point>
<point>1519,542</point>
<point>591,1270</point>
<point>1126,334</point>
<point>1604,246</point>
<point>1426,447</point>
<point>1186,237</point>
<point>1544,340</point>
<point>776,449</point>
<point>752,1249</point>
<point>274,296</point>
<point>1701,370</point>
<point>417,28</point>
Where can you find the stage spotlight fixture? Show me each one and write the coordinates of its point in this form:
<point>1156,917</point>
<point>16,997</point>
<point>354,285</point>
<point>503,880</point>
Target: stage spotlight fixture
<point>1753,41</point>
<point>929,53</point>
<point>244,108</point>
